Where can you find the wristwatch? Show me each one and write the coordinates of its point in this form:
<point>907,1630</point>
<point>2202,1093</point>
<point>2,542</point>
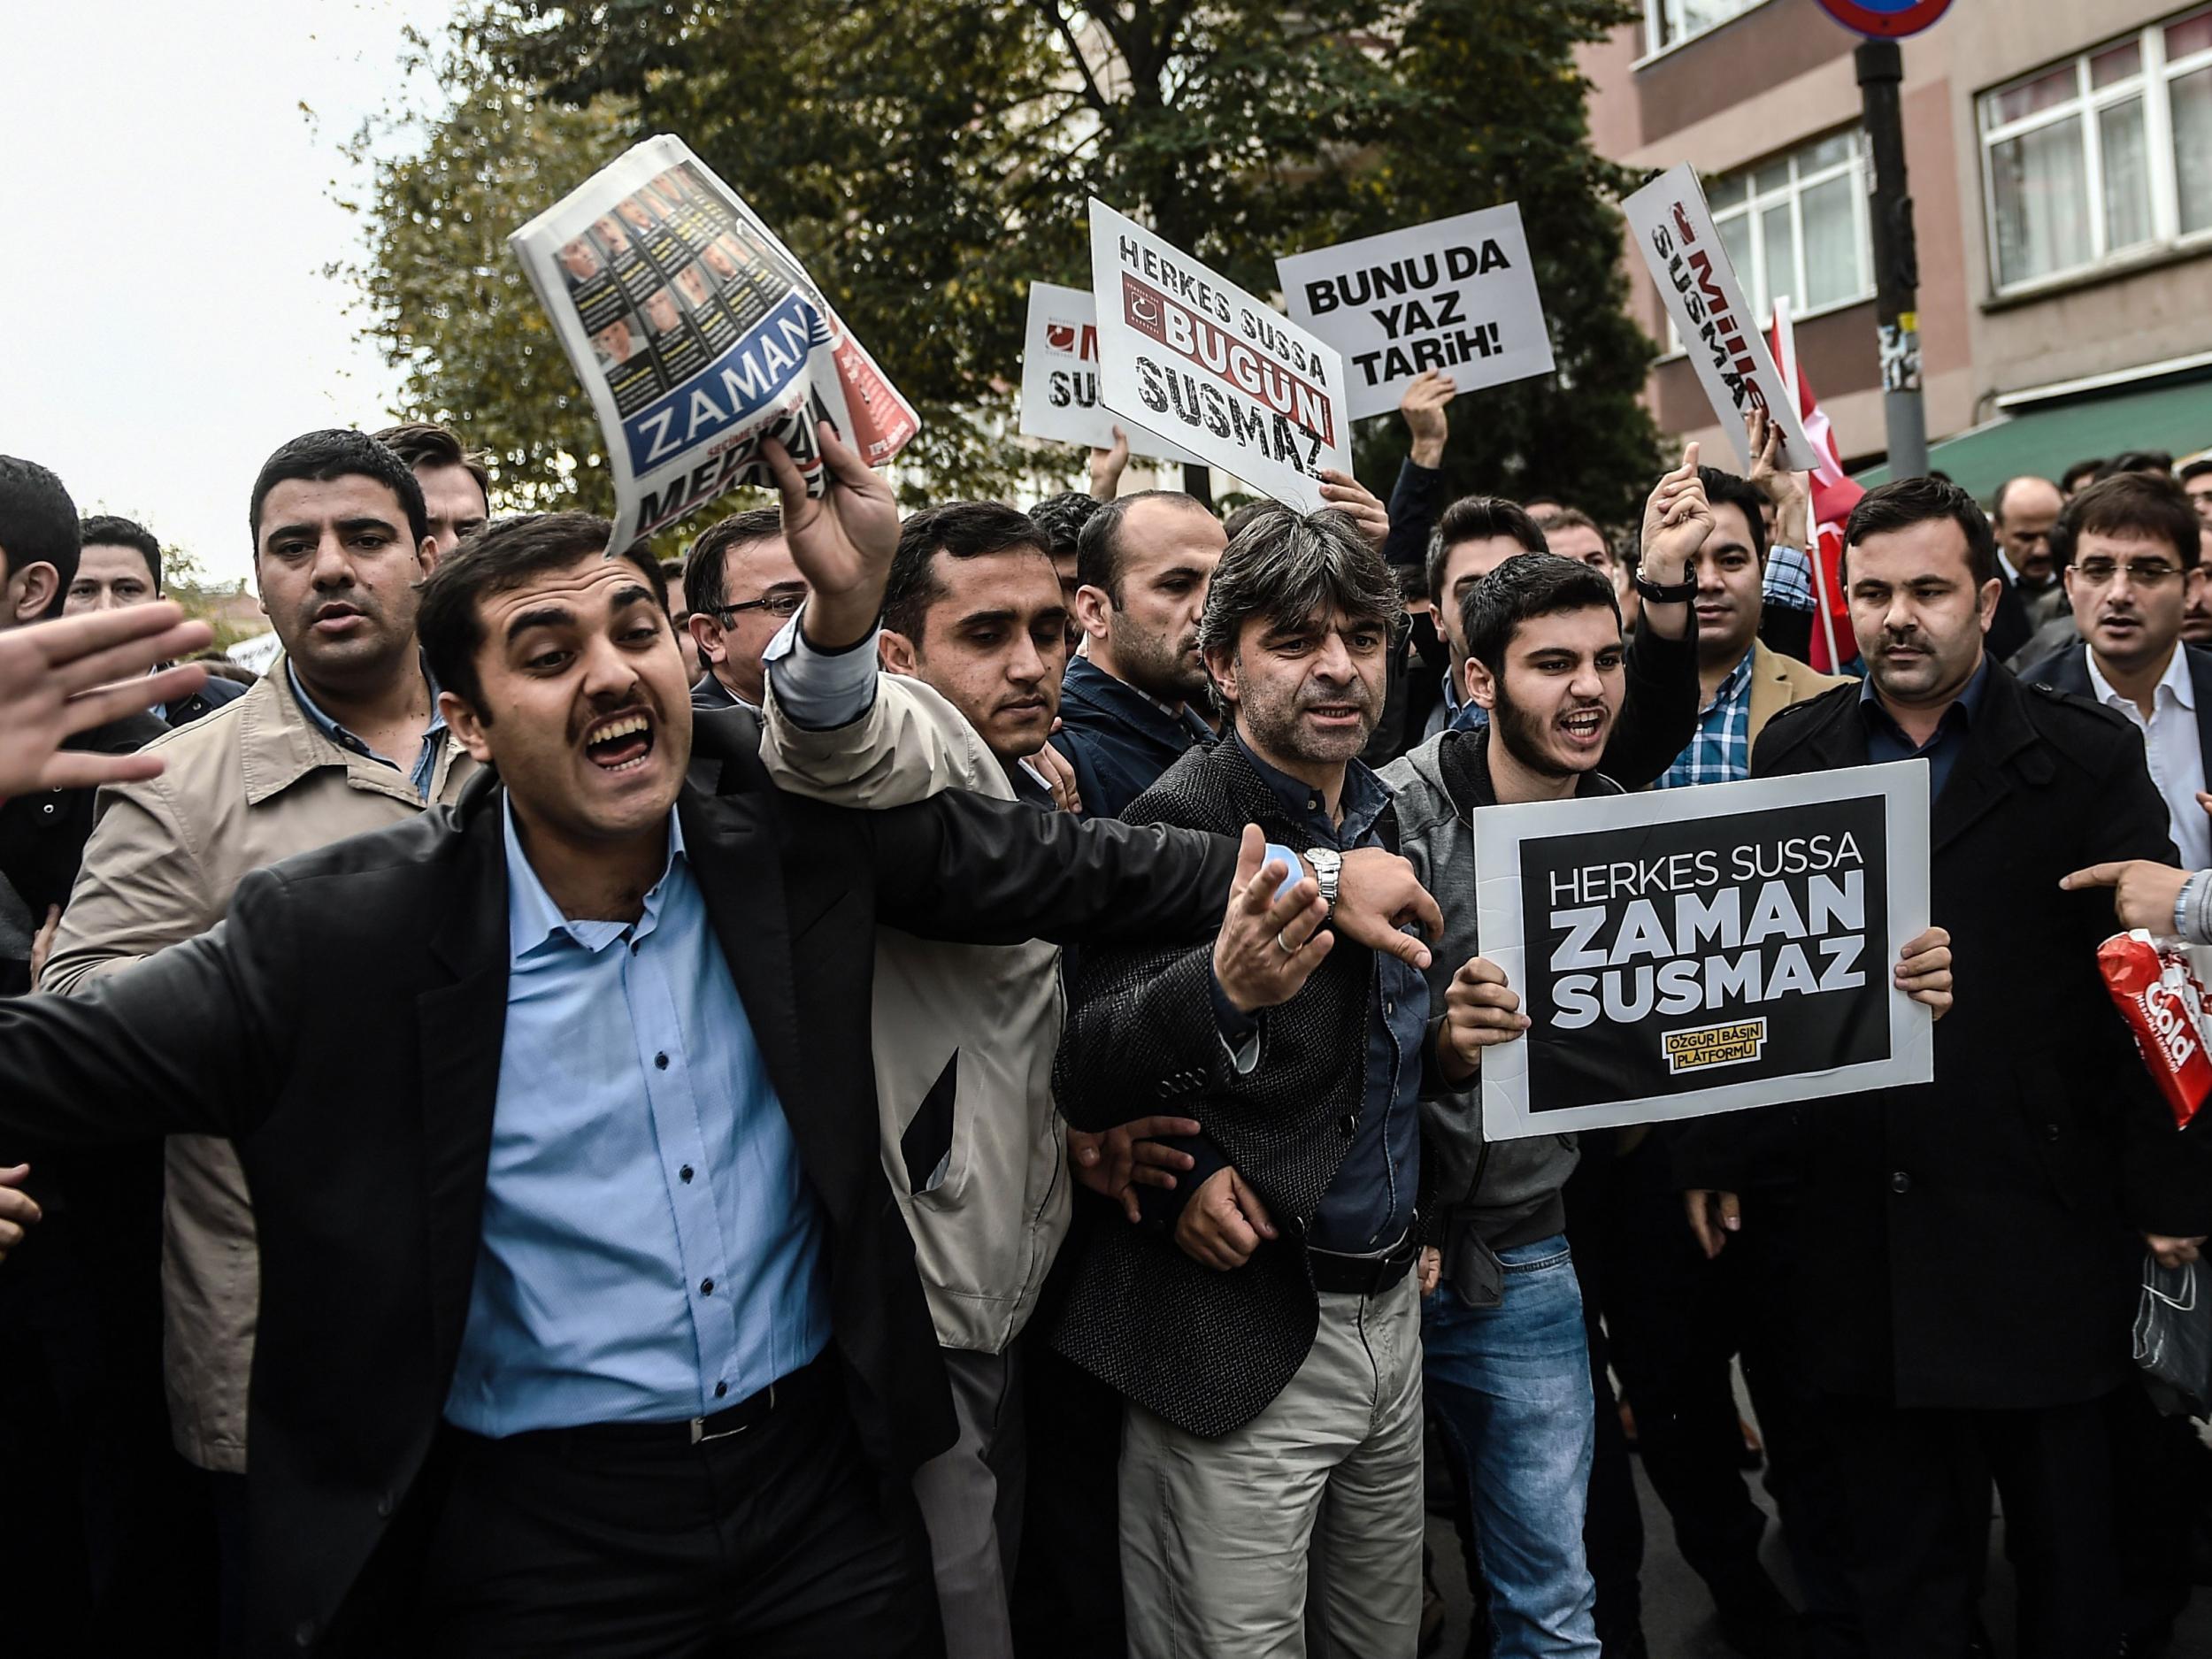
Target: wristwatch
<point>1327,867</point>
<point>1659,594</point>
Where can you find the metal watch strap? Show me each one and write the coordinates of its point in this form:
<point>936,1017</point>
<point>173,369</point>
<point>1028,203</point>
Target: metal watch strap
<point>1327,868</point>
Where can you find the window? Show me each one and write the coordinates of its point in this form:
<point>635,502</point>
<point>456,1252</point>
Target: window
<point>2103,158</point>
<point>1668,23</point>
<point>1797,227</point>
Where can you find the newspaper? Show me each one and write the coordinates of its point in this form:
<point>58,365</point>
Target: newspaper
<point>697,334</point>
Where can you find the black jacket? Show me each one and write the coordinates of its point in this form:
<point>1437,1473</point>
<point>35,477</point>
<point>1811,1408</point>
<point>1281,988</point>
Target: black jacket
<point>1118,740</point>
<point>1207,1350</point>
<point>1972,1242</point>
<point>43,836</point>
<point>2069,671</point>
<point>367,1163</point>
<point>219,693</point>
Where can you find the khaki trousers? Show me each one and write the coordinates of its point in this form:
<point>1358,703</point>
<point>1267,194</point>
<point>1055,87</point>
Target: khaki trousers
<point>1215,1533</point>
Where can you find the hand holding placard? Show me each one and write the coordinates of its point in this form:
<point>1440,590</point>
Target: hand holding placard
<point>1480,1012</point>
<point>1424,406</point>
<point>842,540</point>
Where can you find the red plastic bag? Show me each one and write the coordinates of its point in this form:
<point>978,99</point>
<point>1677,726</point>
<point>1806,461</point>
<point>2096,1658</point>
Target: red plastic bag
<point>2163,1006</point>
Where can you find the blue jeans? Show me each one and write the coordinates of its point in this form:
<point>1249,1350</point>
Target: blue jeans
<point>1511,1385</point>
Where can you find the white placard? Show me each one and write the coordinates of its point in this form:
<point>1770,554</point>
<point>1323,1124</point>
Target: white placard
<point>1204,364</point>
<point>697,334</point>
<point>1060,379</point>
<point>1674,228</point>
<point>1690,951</point>
<point>1458,294</point>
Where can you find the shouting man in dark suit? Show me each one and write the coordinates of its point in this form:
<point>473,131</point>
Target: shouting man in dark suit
<point>588,1322</point>
<point>1966,1250</point>
<point>1269,1341</point>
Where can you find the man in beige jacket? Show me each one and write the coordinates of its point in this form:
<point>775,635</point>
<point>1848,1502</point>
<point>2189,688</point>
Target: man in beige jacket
<point>342,736</point>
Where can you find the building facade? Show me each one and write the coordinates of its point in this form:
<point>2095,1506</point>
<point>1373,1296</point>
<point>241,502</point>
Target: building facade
<point>2059,160</point>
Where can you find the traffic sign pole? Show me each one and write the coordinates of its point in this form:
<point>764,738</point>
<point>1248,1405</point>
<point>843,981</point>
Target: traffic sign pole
<point>1896,260</point>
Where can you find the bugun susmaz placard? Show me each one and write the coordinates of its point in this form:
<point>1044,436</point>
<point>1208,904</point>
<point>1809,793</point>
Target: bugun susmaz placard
<point>1688,951</point>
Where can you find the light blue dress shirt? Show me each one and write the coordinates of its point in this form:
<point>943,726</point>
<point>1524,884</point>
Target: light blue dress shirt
<point>652,1250</point>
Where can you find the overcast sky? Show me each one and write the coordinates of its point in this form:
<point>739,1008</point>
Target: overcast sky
<point>168,212</point>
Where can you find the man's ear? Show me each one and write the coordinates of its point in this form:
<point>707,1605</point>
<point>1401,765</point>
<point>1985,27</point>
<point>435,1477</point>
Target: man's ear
<point>897,654</point>
<point>31,592</point>
<point>1481,684</point>
<point>706,633</point>
<point>427,556</point>
<point>1222,666</point>
<point>1092,607</point>
<point>466,725</point>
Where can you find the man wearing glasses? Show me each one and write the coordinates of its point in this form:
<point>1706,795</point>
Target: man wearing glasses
<point>2127,550</point>
<point>742,586</point>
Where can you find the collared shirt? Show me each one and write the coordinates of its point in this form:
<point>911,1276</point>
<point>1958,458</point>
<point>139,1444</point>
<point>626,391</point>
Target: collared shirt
<point>1720,752</point>
<point>1369,1206</point>
<point>1458,715</point>
<point>2172,744</point>
<point>425,770</point>
<point>651,1249</point>
<point>1885,740</point>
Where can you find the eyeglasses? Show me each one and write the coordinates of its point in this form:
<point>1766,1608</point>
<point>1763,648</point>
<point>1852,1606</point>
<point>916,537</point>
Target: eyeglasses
<point>785,602</point>
<point>2140,572</point>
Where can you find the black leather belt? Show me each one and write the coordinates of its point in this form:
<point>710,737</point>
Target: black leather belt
<point>808,1382</point>
<point>1363,1275</point>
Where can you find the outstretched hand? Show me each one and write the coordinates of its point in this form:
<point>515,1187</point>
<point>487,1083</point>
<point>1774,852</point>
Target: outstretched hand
<point>841,540</point>
<point>1677,520</point>
<point>59,678</point>
<point>1268,947</point>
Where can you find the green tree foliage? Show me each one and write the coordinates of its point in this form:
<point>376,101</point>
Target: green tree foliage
<point>928,159</point>
<point>441,295</point>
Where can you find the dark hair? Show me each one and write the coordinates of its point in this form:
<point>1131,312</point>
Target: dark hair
<point>1099,552</point>
<point>1284,565</point>
<point>1997,501</point>
<point>38,525</point>
<point>2137,461</point>
<point>1060,521</point>
<point>419,443</point>
<point>107,529</point>
<point>220,667</point>
<point>1742,494</point>
<point>1473,519</point>
<point>1555,517</point>
<point>2130,506</point>
<point>963,529</point>
<point>499,558</point>
<point>2075,473</point>
<point>1521,591</point>
<point>706,567</point>
<point>1536,504</point>
<point>1233,526</point>
<point>335,453</point>
<point>1905,501</point>
<point>2195,469</point>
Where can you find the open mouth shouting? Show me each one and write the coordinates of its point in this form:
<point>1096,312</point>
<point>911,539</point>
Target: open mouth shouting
<point>620,742</point>
<point>1584,728</point>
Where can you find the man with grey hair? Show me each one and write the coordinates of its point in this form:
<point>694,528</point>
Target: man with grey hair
<point>1266,1334</point>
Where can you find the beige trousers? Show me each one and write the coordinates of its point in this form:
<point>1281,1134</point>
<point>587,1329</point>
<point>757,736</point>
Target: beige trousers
<point>1215,1533</point>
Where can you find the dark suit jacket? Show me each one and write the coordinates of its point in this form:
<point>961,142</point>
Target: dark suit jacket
<point>345,1026</point>
<point>1117,740</point>
<point>1972,1242</point>
<point>1207,1350</point>
<point>2069,671</point>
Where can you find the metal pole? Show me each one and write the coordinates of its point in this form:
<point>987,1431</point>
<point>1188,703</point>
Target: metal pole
<point>1896,260</point>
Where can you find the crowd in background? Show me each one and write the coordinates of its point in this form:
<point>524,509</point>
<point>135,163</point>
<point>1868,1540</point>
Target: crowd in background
<point>907,1084</point>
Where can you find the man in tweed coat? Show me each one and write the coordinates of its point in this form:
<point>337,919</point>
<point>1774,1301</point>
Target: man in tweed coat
<point>1267,1340</point>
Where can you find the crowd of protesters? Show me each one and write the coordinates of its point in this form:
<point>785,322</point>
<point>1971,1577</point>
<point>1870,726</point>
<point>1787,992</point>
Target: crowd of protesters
<point>911,1086</point>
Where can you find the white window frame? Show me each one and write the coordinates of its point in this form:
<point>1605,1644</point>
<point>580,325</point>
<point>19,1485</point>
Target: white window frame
<point>1857,165</point>
<point>1654,26</point>
<point>2151,83</point>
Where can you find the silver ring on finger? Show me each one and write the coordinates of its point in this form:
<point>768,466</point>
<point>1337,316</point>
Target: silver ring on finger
<point>1283,944</point>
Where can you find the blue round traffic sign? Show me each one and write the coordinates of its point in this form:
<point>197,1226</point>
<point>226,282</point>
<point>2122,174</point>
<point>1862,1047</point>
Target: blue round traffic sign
<point>1886,19</point>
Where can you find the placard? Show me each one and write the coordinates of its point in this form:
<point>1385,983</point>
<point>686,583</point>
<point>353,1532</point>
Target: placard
<point>697,334</point>
<point>1674,228</point>
<point>1690,951</point>
<point>1457,294</point>
<point>1060,379</point>
<point>1198,360</point>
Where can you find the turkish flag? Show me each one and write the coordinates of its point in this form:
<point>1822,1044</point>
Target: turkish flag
<point>1834,495</point>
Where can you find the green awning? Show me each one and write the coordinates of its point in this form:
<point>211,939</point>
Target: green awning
<point>2046,440</point>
